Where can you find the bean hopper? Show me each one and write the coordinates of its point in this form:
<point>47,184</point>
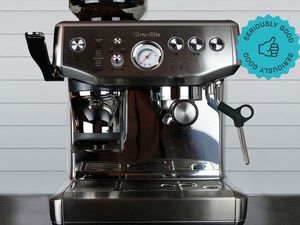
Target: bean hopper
<point>147,116</point>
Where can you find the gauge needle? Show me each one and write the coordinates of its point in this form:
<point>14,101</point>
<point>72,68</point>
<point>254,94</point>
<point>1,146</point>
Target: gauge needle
<point>147,57</point>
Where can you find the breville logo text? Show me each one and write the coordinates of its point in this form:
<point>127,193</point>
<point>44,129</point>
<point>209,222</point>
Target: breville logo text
<point>151,34</point>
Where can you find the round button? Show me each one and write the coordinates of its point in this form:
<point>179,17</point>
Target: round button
<point>77,44</point>
<point>117,41</point>
<point>216,44</point>
<point>176,44</point>
<point>117,60</point>
<point>196,44</point>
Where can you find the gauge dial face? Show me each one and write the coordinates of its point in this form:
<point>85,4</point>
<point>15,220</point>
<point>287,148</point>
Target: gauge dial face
<point>147,55</point>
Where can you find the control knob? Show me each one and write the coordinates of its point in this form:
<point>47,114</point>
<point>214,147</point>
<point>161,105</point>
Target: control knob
<point>216,44</point>
<point>196,44</point>
<point>176,44</point>
<point>117,41</point>
<point>117,60</point>
<point>77,44</point>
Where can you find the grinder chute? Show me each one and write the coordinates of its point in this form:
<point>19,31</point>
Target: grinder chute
<point>96,10</point>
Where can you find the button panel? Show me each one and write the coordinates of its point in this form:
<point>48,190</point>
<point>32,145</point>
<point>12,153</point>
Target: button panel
<point>186,56</point>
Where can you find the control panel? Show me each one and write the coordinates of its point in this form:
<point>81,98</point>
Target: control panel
<point>146,53</point>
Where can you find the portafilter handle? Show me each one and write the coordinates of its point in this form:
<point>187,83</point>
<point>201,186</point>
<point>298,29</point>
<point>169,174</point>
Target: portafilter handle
<point>183,112</point>
<point>38,51</point>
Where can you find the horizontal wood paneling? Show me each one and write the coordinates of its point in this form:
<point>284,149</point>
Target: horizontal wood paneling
<point>32,182</point>
<point>40,5</point>
<point>263,91</point>
<point>34,137</point>
<point>32,21</point>
<point>17,47</point>
<point>265,182</point>
<point>19,69</point>
<point>241,17</point>
<point>263,160</point>
<point>33,91</point>
<point>280,137</point>
<point>45,21</point>
<point>32,160</point>
<point>242,74</point>
<point>271,114</point>
<point>216,5</point>
<point>190,5</point>
<point>34,114</point>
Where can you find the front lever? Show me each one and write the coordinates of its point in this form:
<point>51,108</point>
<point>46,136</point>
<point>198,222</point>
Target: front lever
<point>38,51</point>
<point>212,95</point>
<point>239,121</point>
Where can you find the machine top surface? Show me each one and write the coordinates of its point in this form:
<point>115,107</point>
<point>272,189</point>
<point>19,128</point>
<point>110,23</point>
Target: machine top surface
<point>146,53</point>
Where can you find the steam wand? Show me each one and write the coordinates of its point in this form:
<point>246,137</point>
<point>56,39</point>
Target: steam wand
<point>213,95</point>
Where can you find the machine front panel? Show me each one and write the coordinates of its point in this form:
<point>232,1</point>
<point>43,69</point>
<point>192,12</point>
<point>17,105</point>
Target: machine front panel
<point>146,53</point>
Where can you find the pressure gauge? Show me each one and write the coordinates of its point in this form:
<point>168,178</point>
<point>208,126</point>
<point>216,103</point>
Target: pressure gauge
<point>147,55</point>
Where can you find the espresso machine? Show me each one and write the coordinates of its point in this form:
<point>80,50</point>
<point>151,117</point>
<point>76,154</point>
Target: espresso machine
<point>147,111</point>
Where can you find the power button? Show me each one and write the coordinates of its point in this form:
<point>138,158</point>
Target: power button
<point>77,44</point>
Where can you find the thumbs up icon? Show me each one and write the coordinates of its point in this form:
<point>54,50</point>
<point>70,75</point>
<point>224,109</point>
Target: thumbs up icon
<point>269,48</point>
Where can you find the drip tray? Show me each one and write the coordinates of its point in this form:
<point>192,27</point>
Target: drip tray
<point>160,201</point>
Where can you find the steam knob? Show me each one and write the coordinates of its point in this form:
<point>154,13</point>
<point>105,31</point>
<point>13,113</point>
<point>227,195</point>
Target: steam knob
<point>216,44</point>
<point>184,112</point>
<point>117,60</point>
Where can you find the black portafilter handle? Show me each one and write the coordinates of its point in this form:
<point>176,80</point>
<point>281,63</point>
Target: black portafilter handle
<point>38,51</point>
<point>236,114</point>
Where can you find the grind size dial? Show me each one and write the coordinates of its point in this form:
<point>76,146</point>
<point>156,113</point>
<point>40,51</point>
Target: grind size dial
<point>147,55</point>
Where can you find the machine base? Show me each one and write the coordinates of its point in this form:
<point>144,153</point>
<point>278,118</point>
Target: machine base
<point>152,202</point>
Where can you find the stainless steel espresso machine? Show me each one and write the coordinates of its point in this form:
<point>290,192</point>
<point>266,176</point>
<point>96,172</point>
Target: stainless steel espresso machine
<point>147,116</point>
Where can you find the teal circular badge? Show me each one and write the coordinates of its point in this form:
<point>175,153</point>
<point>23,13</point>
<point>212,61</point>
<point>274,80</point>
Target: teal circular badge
<point>268,47</point>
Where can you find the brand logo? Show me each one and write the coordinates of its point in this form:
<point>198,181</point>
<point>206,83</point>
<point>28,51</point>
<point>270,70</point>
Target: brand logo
<point>152,34</point>
<point>268,47</point>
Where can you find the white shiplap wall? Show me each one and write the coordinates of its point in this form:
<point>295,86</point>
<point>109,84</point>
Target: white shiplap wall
<point>34,121</point>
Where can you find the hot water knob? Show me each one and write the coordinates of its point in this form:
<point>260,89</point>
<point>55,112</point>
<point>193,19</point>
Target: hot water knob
<point>117,60</point>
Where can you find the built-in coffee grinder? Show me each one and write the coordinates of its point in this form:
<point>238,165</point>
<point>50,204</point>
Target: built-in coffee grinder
<point>147,122</point>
